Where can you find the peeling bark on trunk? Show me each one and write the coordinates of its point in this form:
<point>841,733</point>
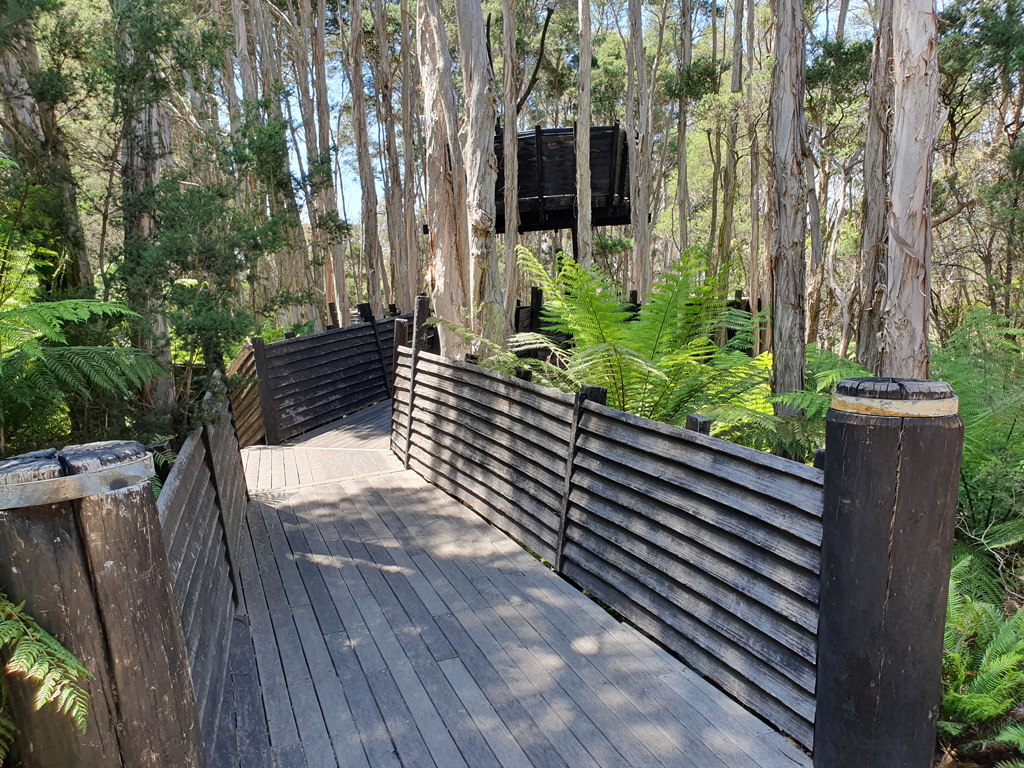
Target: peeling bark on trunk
<point>481,168</point>
<point>510,153</point>
<point>370,245</point>
<point>730,183</point>
<point>442,163</point>
<point>585,233</point>
<point>789,210</point>
<point>904,344</point>
<point>682,186</point>
<point>875,208</point>
<point>755,177</point>
<point>638,99</point>
<point>412,254</point>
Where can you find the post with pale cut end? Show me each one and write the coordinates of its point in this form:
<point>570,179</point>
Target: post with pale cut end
<point>81,546</point>
<point>892,468</point>
<point>587,393</point>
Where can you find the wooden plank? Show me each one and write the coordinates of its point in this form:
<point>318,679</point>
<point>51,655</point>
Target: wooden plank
<point>709,509</point>
<point>243,695</point>
<point>656,617</point>
<point>680,586</point>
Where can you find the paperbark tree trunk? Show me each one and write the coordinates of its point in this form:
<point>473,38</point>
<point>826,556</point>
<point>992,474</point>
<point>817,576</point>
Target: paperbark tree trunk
<point>789,197</point>
<point>393,200</point>
<point>510,154</point>
<point>755,178</point>
<point>412,254</point>
<point>481,168</point>
<point>904,348</point>
<point>370,241</point>
<point>442,163</point>
<point>584,225</point>
<point>682,187</point>
<point>638,98</point>
<point>875,206</point>
<point>730,183</point>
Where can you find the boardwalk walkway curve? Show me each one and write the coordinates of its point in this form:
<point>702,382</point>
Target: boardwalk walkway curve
<point>383,623</point>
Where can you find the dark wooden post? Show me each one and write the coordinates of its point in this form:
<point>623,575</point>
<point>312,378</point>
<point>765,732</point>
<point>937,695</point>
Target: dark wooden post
<point>289,334</point>
<point>259,356</point>
<point>81,545</point>
<point>523,374</point>
<point>332,312</point>
<point>366,315</point>
<point>587,393</point>
<point>697,423</point>
<point>892,469</point>
<point>419,335</point>
<point>536,305</point>
<point>401,339</point>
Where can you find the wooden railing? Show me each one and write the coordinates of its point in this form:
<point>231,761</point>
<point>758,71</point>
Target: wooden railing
<point>285,388</point>
<point>711,548</point>
<point>202,513</point>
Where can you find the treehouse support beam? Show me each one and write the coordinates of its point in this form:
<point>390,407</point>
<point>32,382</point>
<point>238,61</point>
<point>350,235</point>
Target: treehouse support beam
<point>892,466</point>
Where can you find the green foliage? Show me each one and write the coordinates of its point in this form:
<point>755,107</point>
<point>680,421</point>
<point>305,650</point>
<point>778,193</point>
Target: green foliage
<point>982,671</point>
<point>40,373</point>
<point>35,656</point>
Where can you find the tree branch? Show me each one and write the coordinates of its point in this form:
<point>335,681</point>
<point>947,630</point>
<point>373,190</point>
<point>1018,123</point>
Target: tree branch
<point>540,56</point>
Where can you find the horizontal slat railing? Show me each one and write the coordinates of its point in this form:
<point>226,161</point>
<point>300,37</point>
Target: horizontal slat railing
<point>711,548</point>
<point>310,381</point>
<point>202,510</point>
<point>244,392</point>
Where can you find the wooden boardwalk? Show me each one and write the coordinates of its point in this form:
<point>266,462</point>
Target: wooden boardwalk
<point>385,624</point>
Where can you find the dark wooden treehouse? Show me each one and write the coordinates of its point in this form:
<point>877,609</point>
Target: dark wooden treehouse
<point>547,179</point>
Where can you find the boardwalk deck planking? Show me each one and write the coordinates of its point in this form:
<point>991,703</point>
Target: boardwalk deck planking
<point>383,623</point>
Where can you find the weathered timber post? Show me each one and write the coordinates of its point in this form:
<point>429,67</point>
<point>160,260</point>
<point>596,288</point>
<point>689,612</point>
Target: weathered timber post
<point>892,468</point>
<point>366,315</point>
<point>332,312</point>
<point>536,305</point>
<point>419,334</point>
<point>267,410</point>
<point>697,423</point>
<point>587,393</point>
<point>81,545</point>
<point>401,339</point>
<point>523,374</point>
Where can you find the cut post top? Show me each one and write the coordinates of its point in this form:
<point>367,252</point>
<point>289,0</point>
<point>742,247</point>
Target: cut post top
<point>899,398</point>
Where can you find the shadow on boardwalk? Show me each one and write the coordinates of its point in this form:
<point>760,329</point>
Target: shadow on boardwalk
<point>385,624</point>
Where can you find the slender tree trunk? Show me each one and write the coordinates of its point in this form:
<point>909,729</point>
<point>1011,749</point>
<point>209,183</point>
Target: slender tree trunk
<point>875,207</point>
<point>904,345</point>
<point>789,211</point>
<point>412,254</point>
<point>370,244</point>
<point>638,126</point>
<point>730,184</point>
<point>755,178</point>
<point>682,187</point>
<point>442,163</point>
<point>394,199</point>
<point>481,168</point>
<point>585,234</point>
<point>510,154</point>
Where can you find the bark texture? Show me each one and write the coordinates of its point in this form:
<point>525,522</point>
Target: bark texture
<point>907,305</point>
<point>789,201</point>
<point>585,234</point>
<point>510,154</point>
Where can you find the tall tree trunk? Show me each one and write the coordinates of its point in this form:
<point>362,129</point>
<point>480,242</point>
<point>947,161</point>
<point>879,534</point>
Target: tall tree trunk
<point>442,163</point>
<point>370,243</point>
<point>481,168</point>
<point>510,155</point>
<point>730,182</point>
<point>755,178</point>
<point>789,210</point>
<point>394,200</point>
<point>40,150</point>
<point>584,225</point>
<point>638,127</point>
<point>682,185</point>
<point>904,345</point>
<point>875,206</point>
<point>412,254</point>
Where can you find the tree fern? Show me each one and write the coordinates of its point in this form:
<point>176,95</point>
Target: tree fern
<point>35,656</point>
